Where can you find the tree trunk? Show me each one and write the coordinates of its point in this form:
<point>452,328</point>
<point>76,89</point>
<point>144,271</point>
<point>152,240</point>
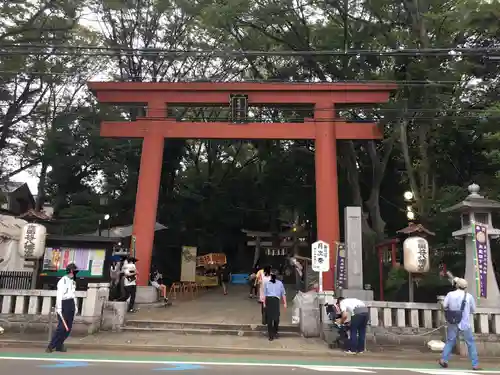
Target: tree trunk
<point>40,198</point>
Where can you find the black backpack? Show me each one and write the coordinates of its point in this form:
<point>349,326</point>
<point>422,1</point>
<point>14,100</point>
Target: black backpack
<point>455,316</point>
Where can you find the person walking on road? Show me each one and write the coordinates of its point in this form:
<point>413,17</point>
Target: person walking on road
<point>459,306</point>
<point>274,291</point>
<point>66,309</point>
<point>225,277</point>
<point>264,277</point>
<point>359,321</point>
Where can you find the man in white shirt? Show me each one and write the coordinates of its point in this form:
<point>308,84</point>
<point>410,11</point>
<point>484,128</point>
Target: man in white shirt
<point>130,281</point>
<point>463,304</point>
<point>358,312</point>
<point>66,309</point>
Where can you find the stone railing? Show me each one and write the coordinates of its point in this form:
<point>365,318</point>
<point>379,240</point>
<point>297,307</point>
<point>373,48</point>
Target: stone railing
<point>425,317</point>
<point>410,324</point>
<point>415,324</point>
<point>33,309</point>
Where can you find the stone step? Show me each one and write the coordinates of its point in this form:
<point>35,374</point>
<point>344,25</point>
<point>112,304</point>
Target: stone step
<point>168,324</point>
<point>209,331</point>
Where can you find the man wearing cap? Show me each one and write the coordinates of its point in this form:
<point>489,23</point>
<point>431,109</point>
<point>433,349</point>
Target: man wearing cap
<point>459,303</point>
<point>66,309</point>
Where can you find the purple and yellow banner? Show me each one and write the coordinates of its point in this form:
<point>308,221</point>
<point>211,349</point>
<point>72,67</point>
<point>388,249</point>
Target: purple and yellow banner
<point>340,267</point>
<point>481,259</point>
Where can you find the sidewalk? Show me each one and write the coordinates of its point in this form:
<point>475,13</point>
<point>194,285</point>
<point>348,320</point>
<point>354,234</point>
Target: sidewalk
<point>179,343</point>
<point>159,342</point>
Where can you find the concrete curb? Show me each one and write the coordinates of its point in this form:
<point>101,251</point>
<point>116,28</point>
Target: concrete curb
<point>405,356</point>
<point>175,349</point>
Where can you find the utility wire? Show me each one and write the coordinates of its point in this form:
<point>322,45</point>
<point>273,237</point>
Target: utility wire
<point>63,50</point>
<point>289,107</point>
<point>399,83</point>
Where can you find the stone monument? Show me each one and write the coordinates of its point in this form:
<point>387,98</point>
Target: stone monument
<point>354,244</point>
<point>475,213</point>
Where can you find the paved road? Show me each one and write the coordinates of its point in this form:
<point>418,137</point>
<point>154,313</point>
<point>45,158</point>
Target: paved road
<point>83,364</point>
<point>131,363</point>
<point>43,366</point>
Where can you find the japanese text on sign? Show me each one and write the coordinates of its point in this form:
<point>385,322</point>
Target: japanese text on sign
<point>29,243</point>
<point>320,256</point>
<point>341,266</point>
<point>422,255</point>
<point>480,236</point>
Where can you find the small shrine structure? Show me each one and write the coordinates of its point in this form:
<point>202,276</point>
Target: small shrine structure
<point>477,229</point>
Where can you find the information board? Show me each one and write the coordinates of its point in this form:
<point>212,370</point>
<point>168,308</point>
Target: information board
<point>90,262</point>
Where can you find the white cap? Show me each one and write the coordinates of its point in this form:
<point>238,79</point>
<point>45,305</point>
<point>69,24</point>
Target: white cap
<point>461,283</point>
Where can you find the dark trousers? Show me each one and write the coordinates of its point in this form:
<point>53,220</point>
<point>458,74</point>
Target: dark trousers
<point>60,335</point>
<point>263,313</point>
<point>253,288</point>
<point>130,291</point>
<point>272,315</point>
<point>358,332</point>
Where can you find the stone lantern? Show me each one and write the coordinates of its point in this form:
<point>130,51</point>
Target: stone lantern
<point>476,210</point>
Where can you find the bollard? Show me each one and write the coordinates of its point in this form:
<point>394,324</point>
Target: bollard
<point>51,315</point>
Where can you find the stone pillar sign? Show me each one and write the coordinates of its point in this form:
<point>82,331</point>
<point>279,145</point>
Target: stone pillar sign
<point>354,244</point>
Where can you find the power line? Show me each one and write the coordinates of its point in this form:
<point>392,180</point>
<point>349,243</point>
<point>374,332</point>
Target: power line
<point>65,50</point>
<point>132,77</point>
<point>300,108</point>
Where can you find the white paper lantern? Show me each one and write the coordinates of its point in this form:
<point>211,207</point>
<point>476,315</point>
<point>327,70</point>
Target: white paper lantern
<point>416,255</point>
<point>32,241</point>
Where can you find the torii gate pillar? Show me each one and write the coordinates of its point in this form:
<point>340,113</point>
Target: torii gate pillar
<point>325,128</point>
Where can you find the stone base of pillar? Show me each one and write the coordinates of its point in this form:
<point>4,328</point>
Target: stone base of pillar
<point>488,302</point>
<point>361,294</point>
<point>146,294</point>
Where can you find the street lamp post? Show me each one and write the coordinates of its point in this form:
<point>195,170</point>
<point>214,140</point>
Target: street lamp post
<point>106,218</point>
<point>410,215</point>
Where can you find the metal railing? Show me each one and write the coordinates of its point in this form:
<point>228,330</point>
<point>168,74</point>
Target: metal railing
<point>16,279</point>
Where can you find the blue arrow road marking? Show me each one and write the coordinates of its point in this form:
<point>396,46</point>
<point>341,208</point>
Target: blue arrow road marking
<point>69,364</point>
<point>180,367</point>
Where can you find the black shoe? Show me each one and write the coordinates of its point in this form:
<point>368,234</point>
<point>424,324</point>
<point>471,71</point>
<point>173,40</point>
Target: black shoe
<point>62,349</point>
<point>271,338</point>
<point>49,350</point>
<point>443,364</point>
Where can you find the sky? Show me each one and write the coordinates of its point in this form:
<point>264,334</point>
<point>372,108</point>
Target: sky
<point>27,177</point>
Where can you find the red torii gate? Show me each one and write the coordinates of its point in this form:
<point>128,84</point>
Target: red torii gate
<point>324,128</point>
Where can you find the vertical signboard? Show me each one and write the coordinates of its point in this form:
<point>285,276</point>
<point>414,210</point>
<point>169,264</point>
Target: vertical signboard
<point>481,261</point>
<point>340,271</point>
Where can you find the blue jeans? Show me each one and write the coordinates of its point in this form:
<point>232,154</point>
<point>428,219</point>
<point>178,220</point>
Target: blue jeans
<point>357,332</point>
<point>452,334</point>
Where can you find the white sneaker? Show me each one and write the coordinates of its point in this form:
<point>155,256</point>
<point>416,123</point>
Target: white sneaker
<point>349,352</point>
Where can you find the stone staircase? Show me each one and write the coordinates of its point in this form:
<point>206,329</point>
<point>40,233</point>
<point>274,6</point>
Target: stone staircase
<point>192,328</point>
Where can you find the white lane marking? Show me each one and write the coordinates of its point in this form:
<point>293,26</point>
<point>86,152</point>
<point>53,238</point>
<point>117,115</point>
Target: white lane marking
<point>240,364</point>
<point>443,372</point>
<point>337,369</point>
